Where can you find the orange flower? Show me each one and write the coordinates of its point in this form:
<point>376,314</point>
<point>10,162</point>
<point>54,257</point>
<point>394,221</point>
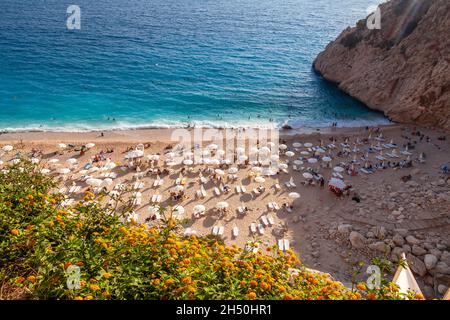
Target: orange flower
<point>361,286</point>
<point>186,280</point>
<point>169,282</point>
<point>89,297</point>
<point>371,296</point>
<point>107,275</point>
<point>253,283</point>
<point>30,197</point>
<point>20,280</point>
<point>419,296</point>
<point>32,279</point>
<point>251,295</point>
<point>78,298</point>
<point>243,283</point>
<point>105,294</point>
<point>29,227</point>
<point>264,285</point>
<point>80,264</point>
<point>94,287</point>
<point>156,282</point>
<point>67,265</point>
<point>14,232</point>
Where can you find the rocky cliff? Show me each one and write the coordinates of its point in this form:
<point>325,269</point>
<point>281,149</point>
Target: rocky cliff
<point>403,68</point>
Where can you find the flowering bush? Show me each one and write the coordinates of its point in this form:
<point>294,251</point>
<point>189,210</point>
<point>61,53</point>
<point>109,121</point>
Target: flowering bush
<point>40,242</point>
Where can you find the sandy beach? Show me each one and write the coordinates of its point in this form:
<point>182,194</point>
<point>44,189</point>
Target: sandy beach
<point>383,209</point>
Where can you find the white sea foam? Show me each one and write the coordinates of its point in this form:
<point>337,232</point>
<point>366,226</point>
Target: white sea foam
<point>259,123</point>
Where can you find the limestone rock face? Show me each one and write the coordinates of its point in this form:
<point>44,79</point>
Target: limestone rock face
<point>402,69</point>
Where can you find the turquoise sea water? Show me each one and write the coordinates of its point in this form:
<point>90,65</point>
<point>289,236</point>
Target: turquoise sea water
<point>158,63</point>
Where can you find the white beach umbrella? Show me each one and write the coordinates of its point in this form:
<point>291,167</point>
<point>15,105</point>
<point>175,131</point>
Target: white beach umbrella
<point>305,153</point>
<point>35,160</point>
<point>134,154</point>
<point>338,169</point>
<point>188,162</point>
<point>63,170</point>
<point>297,162</point>
<point>307,175</point>
<point>53,161</point>
<point>94,182</point>
<point>326,159</point>
<point>290,154</point>
<point>312,160</point>
<point>308,145</point>
<point>220,172</point>
<point>178,211</point>
<point>282,147</point>
<point>89,145</point>
<point>199,209</point>
<point>233,170</point>
<point>222,205</point>
<point>62,145</point>
<point>220,152</point>
<point>264,150</point>
<point>8,148</point>
<point>45,171</point>
<point>269,171</point>
<point>242,158</point>
<point>283,166</point>
<point>274,157</point>
<point>177,188</point>
<point>214,162</point>
<point>260,179</point>
<point>296,144</point>
<point>212,146</point>
<point>153,157</point>
<point>337,183</point>
<point>294,195</point>
<point>110,165</point>
<point>71,161</point>
<point>154,209</point>
<point>256,169</point>
<point>171,163</point>
<point>107,182</point>
<point>320,150</point>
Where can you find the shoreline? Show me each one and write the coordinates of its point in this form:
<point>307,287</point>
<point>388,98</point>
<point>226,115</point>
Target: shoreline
<point>164,134</point>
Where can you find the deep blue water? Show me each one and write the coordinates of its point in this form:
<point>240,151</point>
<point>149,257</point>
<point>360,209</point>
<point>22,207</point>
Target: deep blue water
<point>172,62</point>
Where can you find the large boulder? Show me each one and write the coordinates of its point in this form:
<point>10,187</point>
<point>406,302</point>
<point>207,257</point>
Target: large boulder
<point>430,261</point>
<point>357,240</point>
<point>412,240</point>
<point>398,240</point>
<point>416,265</point>
<point>380,246</point>
<point>442,267</point>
